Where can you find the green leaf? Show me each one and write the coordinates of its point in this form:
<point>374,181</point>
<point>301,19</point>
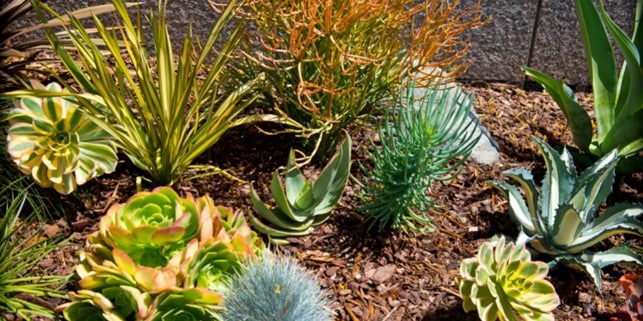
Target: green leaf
<point>577,117</point>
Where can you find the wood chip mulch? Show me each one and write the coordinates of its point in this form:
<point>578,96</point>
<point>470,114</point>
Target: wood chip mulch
<point>389,275</point>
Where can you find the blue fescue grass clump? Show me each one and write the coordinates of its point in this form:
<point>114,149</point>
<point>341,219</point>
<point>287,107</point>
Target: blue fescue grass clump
<point>275,289</point>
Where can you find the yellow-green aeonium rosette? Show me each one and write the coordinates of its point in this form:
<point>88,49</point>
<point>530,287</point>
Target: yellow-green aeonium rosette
<point>60,147</point>
<point>502,282</point>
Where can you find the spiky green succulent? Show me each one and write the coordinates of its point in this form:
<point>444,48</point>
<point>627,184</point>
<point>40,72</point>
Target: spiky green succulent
<point>302,204</point>
<point>419,140</point>
<point>274,288</point>
<point>50,139</point>
<point>502,282</point>
<point>160,256</point>
<point>562,218</point>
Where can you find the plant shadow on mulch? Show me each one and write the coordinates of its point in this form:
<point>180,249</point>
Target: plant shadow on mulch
<point>388,275</point>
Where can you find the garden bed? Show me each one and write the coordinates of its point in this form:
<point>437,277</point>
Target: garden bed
<point>389,275</point>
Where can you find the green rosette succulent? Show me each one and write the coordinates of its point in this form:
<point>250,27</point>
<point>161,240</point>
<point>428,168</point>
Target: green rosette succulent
<point>60,147</point>
<point>161,257</point>
<point>502,282</point>
<point>152,226</point>
<point>185,305</point>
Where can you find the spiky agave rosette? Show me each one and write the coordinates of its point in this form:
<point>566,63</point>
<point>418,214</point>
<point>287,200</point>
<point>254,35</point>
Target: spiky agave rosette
<point>502,282</point>
<point>159,256</point>
<point>53,141</point>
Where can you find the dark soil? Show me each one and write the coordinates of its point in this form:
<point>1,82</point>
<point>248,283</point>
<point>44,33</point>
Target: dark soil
<point>388,275</point>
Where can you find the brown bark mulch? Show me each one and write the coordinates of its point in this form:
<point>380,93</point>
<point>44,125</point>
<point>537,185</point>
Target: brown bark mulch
<point>388,275</point>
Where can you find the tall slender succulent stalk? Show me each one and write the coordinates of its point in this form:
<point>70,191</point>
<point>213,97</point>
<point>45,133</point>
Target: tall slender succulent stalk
<point>419,139</point>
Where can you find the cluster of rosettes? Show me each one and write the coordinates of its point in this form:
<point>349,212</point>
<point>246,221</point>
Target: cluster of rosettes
<point>160,257</point>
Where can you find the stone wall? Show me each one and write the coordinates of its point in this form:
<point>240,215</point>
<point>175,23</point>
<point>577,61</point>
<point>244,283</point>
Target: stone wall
<point>498,49</point>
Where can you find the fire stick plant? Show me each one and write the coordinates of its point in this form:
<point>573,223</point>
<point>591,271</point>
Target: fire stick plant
<point>561,219</point>
<point>329,64</point>
<point>160,257</point>
<point>60,147</point>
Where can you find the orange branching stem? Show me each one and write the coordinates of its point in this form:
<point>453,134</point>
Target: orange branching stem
<point>329,63</point>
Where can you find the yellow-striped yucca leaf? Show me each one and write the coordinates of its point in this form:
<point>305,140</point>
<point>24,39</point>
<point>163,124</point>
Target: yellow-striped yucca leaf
<point>503,282</point>
<point>53,141</point>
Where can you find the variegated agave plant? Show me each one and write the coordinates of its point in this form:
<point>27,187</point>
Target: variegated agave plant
<point>561,219</point>
<point>160,257</point>
<point>53,141</point>
<point>503,282</point>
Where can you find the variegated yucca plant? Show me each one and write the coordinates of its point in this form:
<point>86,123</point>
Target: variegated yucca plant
<point>302,204</point>
<point>561,219</point>
<point>60,147</point>
<point>503,282</point>
<point>160,257</point>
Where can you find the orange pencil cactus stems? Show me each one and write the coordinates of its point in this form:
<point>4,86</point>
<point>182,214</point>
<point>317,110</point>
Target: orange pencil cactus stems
<point>329,63</point>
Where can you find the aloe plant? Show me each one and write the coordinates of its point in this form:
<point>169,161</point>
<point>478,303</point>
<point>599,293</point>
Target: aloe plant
<point>618,98</point>
<point>562,218</point>
<point>503,282</point>
<point>60,147</point>
<point>419,139</point>
<point>274,288</point>
<point>302,204</point>
<point>158,257</point>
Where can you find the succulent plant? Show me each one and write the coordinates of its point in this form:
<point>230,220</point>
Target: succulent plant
<point>632,309</point>
<point>561,219</point>
<point>53,141</point>
<point>274,288</point>
<point>419,140</point>
<point>161,257</point>
<point>502,282</point>
<point>302,204</point>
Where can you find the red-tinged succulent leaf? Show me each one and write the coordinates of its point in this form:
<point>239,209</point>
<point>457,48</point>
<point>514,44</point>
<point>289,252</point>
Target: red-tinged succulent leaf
<point>124,261</point>
<point>632,309</point>
<point>168,235</point>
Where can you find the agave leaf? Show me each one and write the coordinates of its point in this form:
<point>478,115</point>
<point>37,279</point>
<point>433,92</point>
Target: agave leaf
<point>577,117</point>
<point>629,99</point>
<point>518,210</point>
<point>567,226</point>
<point>592,263</point>
<point>558,182</point>
<point>594,185</point>
<point>601,62</point>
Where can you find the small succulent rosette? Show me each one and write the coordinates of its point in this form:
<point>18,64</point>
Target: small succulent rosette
<point>161,257</point>
<point>51,139</point>
<point>502,282</point>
